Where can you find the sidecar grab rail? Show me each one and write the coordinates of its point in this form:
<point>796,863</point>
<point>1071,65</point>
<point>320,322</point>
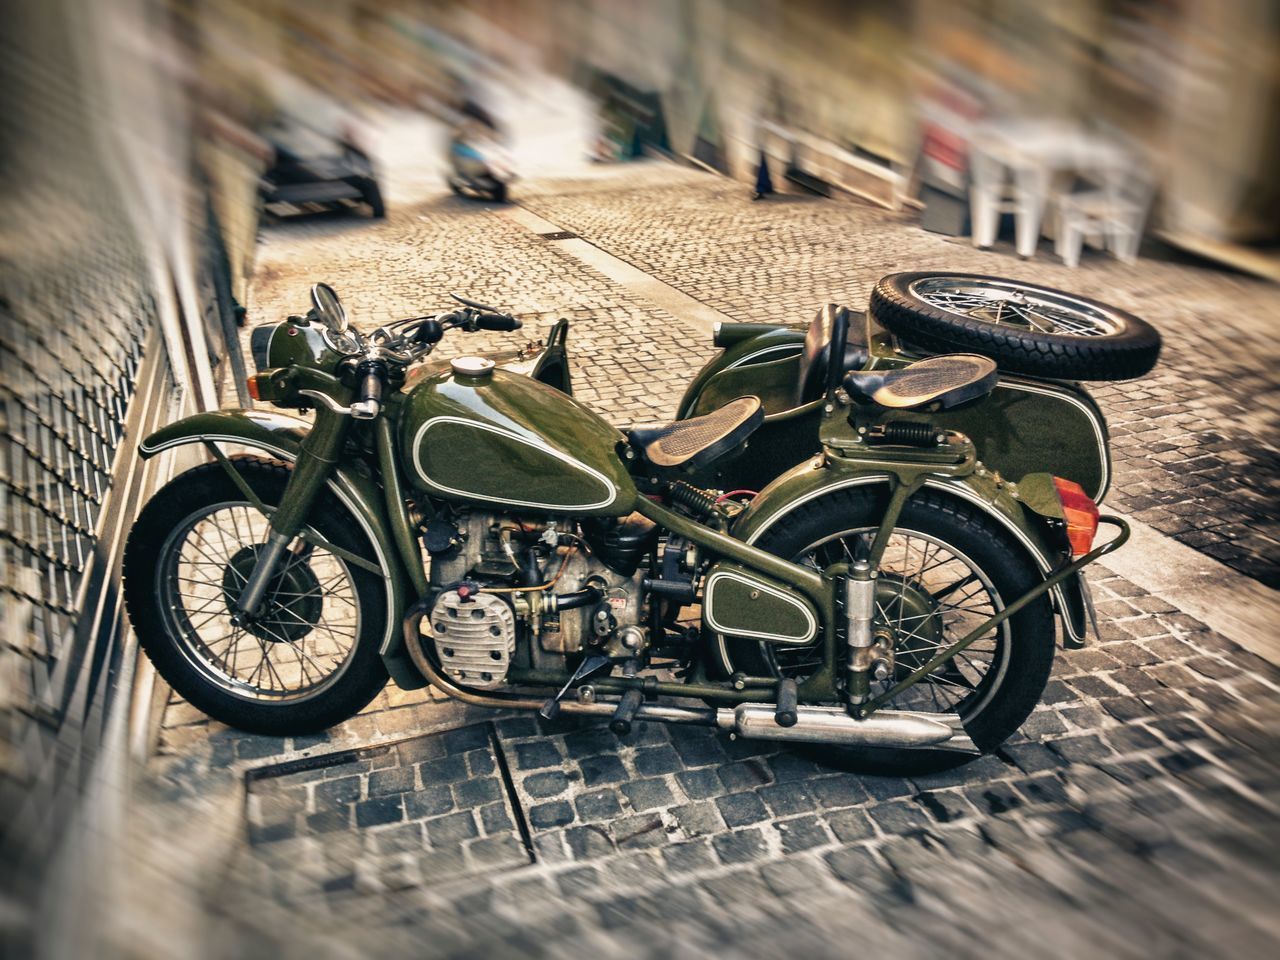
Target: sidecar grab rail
<point>1001,616</point>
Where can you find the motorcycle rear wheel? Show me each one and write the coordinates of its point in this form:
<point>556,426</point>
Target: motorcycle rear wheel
<point>939,542</point>
<point>309,661</point>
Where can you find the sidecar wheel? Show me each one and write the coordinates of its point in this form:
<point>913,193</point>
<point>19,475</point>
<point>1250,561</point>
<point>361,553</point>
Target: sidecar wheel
<point>309,660</point>
<point>948,566</point>
<point>1024,327</point>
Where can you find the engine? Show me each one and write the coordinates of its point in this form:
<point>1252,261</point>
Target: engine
<point>530,594</point>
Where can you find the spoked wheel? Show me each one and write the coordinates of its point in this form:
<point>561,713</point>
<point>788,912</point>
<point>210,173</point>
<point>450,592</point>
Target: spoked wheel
<point>306,659</point>
<point>1024,327</point>
<point>947,568</point>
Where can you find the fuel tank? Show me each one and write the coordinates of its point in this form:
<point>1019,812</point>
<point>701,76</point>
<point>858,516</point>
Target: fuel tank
<point>473,432</point>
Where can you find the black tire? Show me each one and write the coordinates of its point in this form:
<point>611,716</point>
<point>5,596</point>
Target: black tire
<point>364,674</point>
<point>1028,644</point>
<point>373,197</point>
<point>498,192</point>
<point>1129,348</point>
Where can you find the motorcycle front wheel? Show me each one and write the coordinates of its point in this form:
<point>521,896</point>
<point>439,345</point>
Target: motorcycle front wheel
<point>308,660</point>
<point>947,568</point>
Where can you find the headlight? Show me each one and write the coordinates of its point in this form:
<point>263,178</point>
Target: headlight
<point>260,344</point>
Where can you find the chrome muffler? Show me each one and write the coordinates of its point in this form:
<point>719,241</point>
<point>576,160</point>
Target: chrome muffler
<point>833,725</point>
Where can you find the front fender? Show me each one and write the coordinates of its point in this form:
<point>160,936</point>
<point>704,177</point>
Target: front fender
<point>819,476</point>
<point>280,436</point>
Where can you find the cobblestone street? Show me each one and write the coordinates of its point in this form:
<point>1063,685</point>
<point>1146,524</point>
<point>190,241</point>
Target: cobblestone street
<point>1136,810</point>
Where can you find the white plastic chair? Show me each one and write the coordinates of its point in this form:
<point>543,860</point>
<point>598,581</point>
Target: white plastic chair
<point>1115,213</point>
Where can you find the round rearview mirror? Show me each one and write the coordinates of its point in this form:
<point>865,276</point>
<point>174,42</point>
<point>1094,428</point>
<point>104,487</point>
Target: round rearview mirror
<point>329,308</point>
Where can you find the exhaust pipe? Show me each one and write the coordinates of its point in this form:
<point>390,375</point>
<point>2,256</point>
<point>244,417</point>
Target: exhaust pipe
<point>830,725</point>
<point>833,725</point>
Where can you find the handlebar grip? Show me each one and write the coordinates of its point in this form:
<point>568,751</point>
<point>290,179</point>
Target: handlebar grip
<point>497,321</point>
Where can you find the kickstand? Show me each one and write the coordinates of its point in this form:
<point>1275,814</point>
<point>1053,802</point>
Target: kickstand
<point>589,667</point>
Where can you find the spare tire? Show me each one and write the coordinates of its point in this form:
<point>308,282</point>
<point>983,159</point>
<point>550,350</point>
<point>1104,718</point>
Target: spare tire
<point>1025,328</point>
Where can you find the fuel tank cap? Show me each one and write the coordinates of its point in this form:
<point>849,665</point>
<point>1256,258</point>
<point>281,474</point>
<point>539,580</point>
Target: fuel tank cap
<point>472,366</point>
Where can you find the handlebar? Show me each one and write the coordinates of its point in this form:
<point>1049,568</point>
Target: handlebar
<point>496,321</point>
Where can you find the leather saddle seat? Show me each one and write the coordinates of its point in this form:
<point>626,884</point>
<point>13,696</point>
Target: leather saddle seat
<point>832,325</point>
<point>693,443</point>
<point>947,381</point>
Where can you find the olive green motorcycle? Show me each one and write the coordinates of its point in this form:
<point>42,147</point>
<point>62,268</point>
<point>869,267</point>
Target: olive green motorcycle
<point>885,597</point>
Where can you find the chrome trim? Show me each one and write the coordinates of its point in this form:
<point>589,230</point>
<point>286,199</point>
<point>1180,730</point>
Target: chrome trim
<point>511,435</point>
<point>798,348</point>
<point>708,615</point>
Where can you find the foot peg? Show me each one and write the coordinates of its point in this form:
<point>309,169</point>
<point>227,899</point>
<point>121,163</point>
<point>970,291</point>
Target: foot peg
<point>787,711</point>
<point>589,667</point>
<point>626,712</point>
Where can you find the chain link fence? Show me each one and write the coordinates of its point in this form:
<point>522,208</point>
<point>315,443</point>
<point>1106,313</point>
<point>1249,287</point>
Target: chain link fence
<point>83,373</point>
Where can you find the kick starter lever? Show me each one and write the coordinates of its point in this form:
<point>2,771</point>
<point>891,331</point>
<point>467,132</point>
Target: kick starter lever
<point>589,667</point>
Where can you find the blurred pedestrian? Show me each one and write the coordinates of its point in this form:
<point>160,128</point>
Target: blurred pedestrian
<point>764,183</point>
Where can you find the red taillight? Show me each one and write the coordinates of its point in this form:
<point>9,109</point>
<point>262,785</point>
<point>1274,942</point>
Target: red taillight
<point>252,385</point>
<point>1080,513</point>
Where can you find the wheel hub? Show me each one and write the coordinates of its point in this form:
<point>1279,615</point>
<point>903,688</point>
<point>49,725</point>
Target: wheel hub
<point>909,623</point>
<point>293,603</point>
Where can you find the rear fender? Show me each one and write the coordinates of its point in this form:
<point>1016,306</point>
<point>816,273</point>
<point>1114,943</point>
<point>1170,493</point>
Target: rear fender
<point>743,344</point>
<point>1037,534</point>
<point>280,436</point>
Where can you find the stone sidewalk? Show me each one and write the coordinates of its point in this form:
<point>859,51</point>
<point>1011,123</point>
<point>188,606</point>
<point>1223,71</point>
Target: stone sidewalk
<point>1134,815</point>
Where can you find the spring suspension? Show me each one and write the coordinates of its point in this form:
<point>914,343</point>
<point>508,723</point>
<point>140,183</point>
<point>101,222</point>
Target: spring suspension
<point>906,433</point>
<point>699,502</point>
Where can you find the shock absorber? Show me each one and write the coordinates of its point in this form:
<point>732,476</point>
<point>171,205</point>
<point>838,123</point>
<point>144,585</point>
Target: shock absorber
<point>860,610</point>
<point>701,503</point>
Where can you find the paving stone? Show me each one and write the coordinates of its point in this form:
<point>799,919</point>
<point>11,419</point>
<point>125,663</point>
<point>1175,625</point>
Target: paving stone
<point>382,810</point>
<point>851,824</point>
<point>444,770</point>
<point>801,833</point>
<point>330,793</point>
<point>740,846</point>
<point>602,769</point>
<point>589,841</point>
<point>746,775</point>
<point>386,782</point>
<point>644,830</point>
<point>648,794</point>
<point>691,855</point>
<point>655,761</point>
<point>451,829</point>
<point>544,816</point>
<point>853,864</point>
<point>428,801</point>
<point>844,790</point>
<point>698,819</point>
<point>784,799</point>
<point>540,753</point>
<point>600,805</point>
<point>548,784</point>
<point>473,793</point>
<point>741,809</point>
<point>699,784</point>
<point>943,806</point>
<point>580,881</point>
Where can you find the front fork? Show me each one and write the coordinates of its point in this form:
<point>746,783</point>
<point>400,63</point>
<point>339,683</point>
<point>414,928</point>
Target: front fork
<point>317,456</point>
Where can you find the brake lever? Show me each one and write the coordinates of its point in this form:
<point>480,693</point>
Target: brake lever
<point>475,305</point>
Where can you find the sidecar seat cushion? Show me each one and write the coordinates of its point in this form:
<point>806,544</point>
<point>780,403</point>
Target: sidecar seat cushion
<point>816,355</point>
<point>948,381</point>
<point>697,441</point>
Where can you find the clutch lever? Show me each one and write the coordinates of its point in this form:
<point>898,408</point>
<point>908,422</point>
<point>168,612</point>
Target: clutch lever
<point>474,305</point>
